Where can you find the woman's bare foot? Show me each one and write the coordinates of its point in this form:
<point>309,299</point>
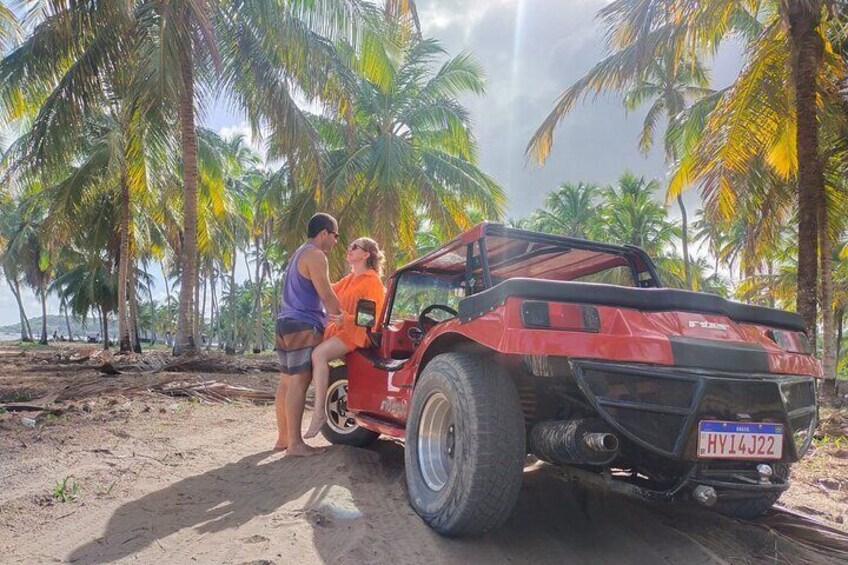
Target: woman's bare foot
<point>315,425</point>
<point>280,447</point>
<point>303,450</point>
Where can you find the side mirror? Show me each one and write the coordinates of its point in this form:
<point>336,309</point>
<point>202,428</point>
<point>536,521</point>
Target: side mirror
<point>366,313</point>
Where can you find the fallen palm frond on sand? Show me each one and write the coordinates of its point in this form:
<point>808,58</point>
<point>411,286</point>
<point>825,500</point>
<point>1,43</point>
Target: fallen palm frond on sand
<point>212,391</point>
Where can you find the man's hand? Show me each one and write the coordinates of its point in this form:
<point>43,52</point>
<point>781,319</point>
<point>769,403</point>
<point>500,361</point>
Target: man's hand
<point>336,318</point>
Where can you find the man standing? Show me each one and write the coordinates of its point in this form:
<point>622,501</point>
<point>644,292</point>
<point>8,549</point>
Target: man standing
<point>300,327</point>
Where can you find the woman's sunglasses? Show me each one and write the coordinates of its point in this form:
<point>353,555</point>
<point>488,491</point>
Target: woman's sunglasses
<point>353,246</point>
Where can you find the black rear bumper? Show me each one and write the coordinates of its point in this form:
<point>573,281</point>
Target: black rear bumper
<point>658,408</point>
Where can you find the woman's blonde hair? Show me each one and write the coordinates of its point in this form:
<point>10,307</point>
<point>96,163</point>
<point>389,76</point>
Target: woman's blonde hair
<point>375,256</point>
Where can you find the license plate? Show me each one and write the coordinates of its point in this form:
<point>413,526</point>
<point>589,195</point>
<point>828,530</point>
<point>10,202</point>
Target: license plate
<point>739,440</point>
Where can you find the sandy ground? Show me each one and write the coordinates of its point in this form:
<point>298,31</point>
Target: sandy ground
<point>153,479</point>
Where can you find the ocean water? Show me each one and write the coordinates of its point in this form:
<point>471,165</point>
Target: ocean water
<point>9,337</point>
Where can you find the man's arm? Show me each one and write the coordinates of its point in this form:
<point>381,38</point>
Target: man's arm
<point>319,273</point>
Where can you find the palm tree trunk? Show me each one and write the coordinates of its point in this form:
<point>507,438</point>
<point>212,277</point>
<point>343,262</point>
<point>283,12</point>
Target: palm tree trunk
<point>213,304</point>
<point>770,272</point>
<point>185,339</point>
<point>202,320</point>
<point>197,320</point>
<point>167,298</point>
<point>152,310</point>
<point>43,294</point>
<point>124,341</point>
<point>231,343</point>
<point>685,241</point>
<point>26,333</point>
<point>828,330</point>
<point>807,48</point>
<point>68,323</point>
<point>104,318</point>
<point>133,308</point>
<point>840,319</point>
<point>257,300</point>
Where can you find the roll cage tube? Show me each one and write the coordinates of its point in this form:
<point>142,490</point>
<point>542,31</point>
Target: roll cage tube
<point>634,256</point>
<point>626,251</point>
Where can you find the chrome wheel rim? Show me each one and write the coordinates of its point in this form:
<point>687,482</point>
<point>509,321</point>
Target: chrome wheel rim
<point>436,441</point>
<point>336,406</point>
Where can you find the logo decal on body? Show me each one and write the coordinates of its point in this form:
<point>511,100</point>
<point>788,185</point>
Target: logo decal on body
<point>708,325</point>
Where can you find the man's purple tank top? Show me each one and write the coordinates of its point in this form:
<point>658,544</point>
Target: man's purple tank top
<point>299,299</point>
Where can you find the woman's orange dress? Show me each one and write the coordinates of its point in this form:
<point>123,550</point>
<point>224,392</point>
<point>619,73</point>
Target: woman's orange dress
<point>350,290</point>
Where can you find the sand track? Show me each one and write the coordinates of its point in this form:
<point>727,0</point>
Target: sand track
<point>172,481</point>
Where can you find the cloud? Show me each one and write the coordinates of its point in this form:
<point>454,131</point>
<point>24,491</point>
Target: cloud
<point>532,50</point>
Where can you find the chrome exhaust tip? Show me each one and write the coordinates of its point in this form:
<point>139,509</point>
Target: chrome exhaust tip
<point>601,442</point>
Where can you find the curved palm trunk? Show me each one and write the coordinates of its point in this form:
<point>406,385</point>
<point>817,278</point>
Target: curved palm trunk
<point>26,333</point>
<point>685,241</point>
<point>807,48</point>
<point>184,341</point>
<point>124,339</point>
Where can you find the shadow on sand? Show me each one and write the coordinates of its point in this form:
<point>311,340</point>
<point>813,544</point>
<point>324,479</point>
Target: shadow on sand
<point>371,521</point>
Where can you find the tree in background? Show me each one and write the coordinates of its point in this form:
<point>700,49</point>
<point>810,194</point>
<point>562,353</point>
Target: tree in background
<point>402,148</point>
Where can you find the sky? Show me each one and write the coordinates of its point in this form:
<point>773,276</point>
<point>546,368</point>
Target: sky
<point>531,50</point>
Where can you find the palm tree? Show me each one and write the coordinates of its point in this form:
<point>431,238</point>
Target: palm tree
<point>573,209</point>
<point>632,217</point>
<point>402,149</point>
<point>10,221</point>
<point>154,54</point>
<point>783,34</point>
<point>671,83</point>
<point>91,285</point>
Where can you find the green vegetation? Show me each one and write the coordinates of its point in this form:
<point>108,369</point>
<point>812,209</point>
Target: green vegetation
<point>109,181</point>
<point>767,153</point>
<point>112,179</point>
<point>66,490</point>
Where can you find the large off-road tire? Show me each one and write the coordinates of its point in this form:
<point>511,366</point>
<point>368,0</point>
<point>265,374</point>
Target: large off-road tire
<point>464,445</point>
<point>341,428</point>
<point>747,508</point>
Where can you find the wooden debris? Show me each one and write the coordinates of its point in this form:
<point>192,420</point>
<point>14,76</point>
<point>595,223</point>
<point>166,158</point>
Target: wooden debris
<point>38,405</point>
<point>212,391</point>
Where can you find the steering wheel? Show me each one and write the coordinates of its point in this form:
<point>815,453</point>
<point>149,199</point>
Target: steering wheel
<point>425,322</point>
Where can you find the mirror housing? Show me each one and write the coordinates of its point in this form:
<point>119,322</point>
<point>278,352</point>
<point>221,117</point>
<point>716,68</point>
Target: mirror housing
<point>366,313</point>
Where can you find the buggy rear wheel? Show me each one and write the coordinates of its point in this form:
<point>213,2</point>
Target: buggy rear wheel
<point>464,445</point>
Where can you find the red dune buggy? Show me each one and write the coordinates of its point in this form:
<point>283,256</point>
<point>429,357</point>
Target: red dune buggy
<point>506,342</point>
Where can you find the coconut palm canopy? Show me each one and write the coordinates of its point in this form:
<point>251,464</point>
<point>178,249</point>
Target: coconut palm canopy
<point>109,173</point>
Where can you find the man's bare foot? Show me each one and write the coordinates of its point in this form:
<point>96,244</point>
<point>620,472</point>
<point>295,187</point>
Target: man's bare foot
<point>280,447</point>
<point>303,450</point>
<point>315,425</point>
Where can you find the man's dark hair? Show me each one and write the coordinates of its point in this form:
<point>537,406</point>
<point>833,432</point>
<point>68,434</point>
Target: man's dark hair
<point>321,221</point>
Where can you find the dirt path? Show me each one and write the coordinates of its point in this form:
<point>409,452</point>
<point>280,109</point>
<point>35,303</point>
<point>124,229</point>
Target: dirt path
<point>166,481</point>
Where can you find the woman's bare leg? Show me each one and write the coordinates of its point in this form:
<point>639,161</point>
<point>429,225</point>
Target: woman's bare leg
<point>333,348</point>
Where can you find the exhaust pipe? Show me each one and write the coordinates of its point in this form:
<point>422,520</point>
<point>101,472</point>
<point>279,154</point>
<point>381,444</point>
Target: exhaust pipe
<point>574,442</point>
